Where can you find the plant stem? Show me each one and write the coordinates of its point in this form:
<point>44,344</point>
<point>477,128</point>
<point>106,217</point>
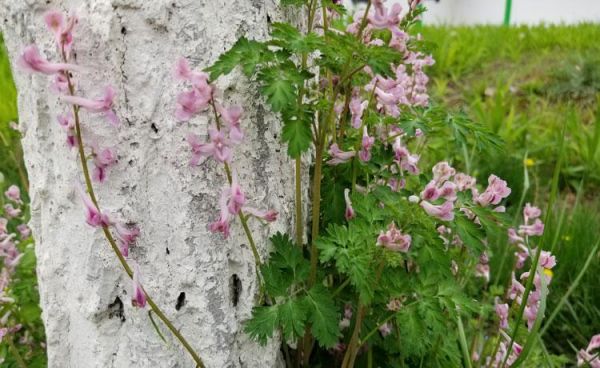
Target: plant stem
<point>299,219</point>
<point>108,235</point>
<point>15,352</point>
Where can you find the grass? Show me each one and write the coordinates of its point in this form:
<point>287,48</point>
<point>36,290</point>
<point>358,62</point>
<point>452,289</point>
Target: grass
<point>525,84</point>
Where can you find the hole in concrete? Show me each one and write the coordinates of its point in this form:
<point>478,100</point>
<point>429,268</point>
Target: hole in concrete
<point>115,309</point>
<point>153,126</point>
<point>168,251</point>
<point>180,301</point>
<point>123,30</point>
<point>235,289</point>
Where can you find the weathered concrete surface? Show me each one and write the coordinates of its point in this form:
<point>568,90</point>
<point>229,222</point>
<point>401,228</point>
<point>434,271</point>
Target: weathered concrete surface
<point>133,44</point>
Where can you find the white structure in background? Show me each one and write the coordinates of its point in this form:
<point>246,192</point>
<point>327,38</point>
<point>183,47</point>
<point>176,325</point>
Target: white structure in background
<point>492,11</point>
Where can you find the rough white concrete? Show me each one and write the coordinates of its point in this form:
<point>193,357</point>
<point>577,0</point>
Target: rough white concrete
<point>133,45</point>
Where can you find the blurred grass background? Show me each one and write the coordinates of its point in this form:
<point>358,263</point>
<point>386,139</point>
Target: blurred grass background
<point>532,85</point>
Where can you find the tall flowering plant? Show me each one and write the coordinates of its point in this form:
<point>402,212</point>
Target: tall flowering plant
<point>379,275</point>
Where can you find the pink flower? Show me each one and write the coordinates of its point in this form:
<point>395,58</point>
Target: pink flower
<point>442,171</point>
<point>483,270</point>
<point>531,213</point>
<point>536,229</point>
<point>349,214</point>
<point>357,108</point>
<point>138,298</point>
<point>403,158</point>
<point>394,239</point>
<point>430,192</point>
<point>190,103</point>
<point>367,143</point>
<point>66,122</point>
<point>502,313</point>
<point>222,224</point>
<point>385,329</point>
<point>513,237</point>
<point>218,147</point>
<point>448,191</point>
<point>338,156</point>
<point>103,159</point>
<point>103,105</point>
<point>13,193</point>
<point>11,212</point>
<point>444,212</point>
<point>464,182</point>
<point>60,84</point>
<point>199,80</point>
<point>382,19</point>
<point>547,260</point>
<point>589,356</point>
<point>33,62</point>
<point>496,191</point>
<point>236,197</point>
<point>268,215</point>
<point>62,31</point>
<point>516,289</point>
<point>93,216</point>
<point>232,117</point>
<point>24,231</point>
<point>126,236</point>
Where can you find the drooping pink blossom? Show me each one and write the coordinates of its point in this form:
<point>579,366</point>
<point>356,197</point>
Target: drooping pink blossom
<point>535,229</point>
<point>218,147</point>
<point>464,182</point>
<point>516,289</point>
<point>444,212</point>
<point>190,103</point>
<point>349,213</point>
<point>502,313</point>
<point>93,216</point>
<point>483,270</point>
<point>222,224</point>
<point>31,61</point>
<point>266,215</point>
<point>366,145</point>
<point>60,84</point>
<point>531,212</point>
<point>103,105</point>
<point>382,19</point>
<point>138,297</point>
<point>590,354</point>
<point>385,329</point>
<point>13,193</point>
<point>338,156</point>
<point>357,108</point>
<point>67,122</point>
<point>126,237</point>
<point>448,191</point>
<point>394,239</point>
<point>547,260</point>
<point>430,192</point>
<point>232,117</point>
<point>102,159</point>
<point>24,231</point>
<point>513,237</point>
<point>404,158</point>
<point>236,199</point>
<point>63,31</point>
<point>496,191</point>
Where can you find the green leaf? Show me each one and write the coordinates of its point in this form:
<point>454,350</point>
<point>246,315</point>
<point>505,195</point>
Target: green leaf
<point>262,324</point>
<point>297,135</point>
<point>246,53</point>
<point>292,318</point>
<point>293,2</point>
<point>286,267</point>
<point>289,37</point>
<point>323,316</point>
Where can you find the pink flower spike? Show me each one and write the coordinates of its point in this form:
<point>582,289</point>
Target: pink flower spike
<point>13,193</point>
<point>443,212</point>
<point>349,213</point>
<point>93,216</point>
<point>138,299</point>
<point>33,62</point>
<point>338,156</point>
<point>103,104</point>
<point>268,215</point>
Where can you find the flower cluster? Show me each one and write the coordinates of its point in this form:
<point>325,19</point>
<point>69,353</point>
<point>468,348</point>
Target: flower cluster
<point>591,354</point>
<point>224,134</point>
